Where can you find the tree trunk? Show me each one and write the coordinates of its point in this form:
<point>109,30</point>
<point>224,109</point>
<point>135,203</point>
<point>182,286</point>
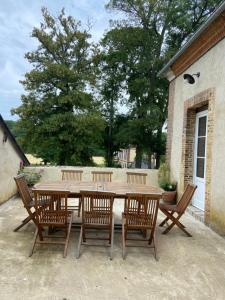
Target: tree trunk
<point>157,161</point>
<point>138,159</point>
<point>110,152</point>
<point>150,159</point>
<point>109,156</point>
<point>62,158</point>
<point>158,152</point>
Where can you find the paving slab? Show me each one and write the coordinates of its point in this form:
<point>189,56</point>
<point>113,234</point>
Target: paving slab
<point>188,268</point>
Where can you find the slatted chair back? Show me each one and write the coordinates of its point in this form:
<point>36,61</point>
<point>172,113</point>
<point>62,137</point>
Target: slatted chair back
<point>101,176</point>
<point>97,208</point>
<point>136,178</point>
<point>140,211</point>
<point>52,212</point>
<point>24,191</point>
<point>51,207</point>
<point>173,213</point>
<point>75,175</point>
<point>186,197</point>
<point>26,199</point>
<point>97,213</point>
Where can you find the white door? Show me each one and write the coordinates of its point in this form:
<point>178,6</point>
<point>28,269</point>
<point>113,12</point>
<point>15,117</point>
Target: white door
<point>200,159</point>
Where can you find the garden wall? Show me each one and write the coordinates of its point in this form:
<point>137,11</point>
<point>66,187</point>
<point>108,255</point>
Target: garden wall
<point>119,175</point>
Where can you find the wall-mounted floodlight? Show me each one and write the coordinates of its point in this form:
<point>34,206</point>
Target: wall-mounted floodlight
<point>190,78</point>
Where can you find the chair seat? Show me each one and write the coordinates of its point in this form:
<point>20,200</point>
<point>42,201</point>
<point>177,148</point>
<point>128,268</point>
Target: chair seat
<point>95,217</point>
<point>140,220</point>
<point>54,218</point>
<point>168,207</point>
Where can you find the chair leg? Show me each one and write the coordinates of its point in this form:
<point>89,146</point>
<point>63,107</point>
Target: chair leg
<point>79,207</point>
<point>112,238</point>
<point>175,221</point>
<point>110,235</point>
<point>67,237</point>
<point>80,241</point>
<point>24,222</point>
<point>172,214</point>
<point>155,246</point>
<point>123,240</point>
<point>84,234</point>
<point>179,225</point>
<point>151,238</point>
<point>144,233</point>
<point>164,222</point>
<point>40,229</point>
<point>33,242</point>
<point>50,230</point>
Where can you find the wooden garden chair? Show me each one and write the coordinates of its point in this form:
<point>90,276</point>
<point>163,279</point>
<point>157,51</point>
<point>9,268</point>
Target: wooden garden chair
<point>136,178</point>
<point>73,175</point>
<point>178,209</point>
<point>140,213</point>
<point>54,214</point>
<point>97,213</point>
<point>101,176</point>
<point>27,199</point>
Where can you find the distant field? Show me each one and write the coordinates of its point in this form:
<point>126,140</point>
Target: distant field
<point>34,160</point>
<point>99,160</point>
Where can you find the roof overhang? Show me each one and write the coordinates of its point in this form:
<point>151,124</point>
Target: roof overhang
<point>167,68</point>
<point>15,145</point>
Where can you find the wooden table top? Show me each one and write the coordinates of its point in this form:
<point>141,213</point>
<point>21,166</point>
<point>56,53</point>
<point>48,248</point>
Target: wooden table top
<point>120,189</point>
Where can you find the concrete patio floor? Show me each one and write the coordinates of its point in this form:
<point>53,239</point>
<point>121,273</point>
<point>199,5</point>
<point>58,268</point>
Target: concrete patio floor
<point>188,268</point>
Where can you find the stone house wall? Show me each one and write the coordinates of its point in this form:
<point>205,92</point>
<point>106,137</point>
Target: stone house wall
<point>9,166</point>
<point>184,99</point>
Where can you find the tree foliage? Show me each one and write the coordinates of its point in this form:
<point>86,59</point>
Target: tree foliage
<point>17,132</point>
<point>143,41</point>
<point>74,90</point>
<point>58,110</point>
<point>110,95</point>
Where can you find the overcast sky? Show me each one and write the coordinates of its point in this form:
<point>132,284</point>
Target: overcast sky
<point>17,18</point>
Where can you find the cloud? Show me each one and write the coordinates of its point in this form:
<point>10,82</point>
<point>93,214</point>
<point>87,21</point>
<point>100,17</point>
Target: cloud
<point>17,19</point>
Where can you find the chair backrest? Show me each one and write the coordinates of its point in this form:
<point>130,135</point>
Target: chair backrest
<point>186,197</point>
<point>51,207</point>
<point>75,175</point>
<point>141,210</point>
<point>136,178</point>
<point>97,207</point>
<point>23,191</point>
<point>101,176</point>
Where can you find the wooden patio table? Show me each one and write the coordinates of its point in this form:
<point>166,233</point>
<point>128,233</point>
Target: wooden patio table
<point>120,189</point>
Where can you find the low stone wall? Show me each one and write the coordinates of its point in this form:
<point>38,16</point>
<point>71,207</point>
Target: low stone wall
<point>119,175</point>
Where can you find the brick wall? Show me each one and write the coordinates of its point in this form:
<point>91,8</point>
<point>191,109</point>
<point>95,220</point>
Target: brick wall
<point>203,99</point>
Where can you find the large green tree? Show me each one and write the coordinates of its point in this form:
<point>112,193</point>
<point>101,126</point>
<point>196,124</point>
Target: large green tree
<point>131,47</point>
<point>110,97</point>
<point>58,111</point>
<point>144,40</point>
